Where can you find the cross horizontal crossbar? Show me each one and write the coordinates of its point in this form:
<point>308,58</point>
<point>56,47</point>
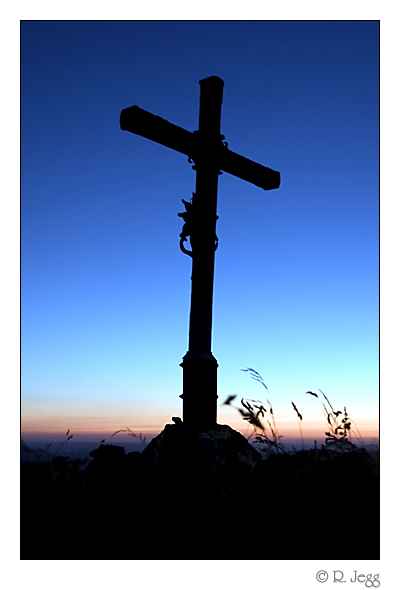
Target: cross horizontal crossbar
<point>141,122</point>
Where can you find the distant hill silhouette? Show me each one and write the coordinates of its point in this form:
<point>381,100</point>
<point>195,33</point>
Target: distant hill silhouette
<point>30,454</point>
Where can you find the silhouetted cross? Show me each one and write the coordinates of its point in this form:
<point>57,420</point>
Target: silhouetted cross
<point>210,155</point>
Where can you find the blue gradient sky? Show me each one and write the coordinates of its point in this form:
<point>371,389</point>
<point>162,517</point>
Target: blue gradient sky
<point>105,288</point>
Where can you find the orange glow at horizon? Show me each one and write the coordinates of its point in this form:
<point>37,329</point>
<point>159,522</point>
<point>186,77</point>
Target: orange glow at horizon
<point>101,427</point>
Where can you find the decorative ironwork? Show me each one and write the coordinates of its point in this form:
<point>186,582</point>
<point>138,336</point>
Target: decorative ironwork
<point>187,217</point>
<point>187,229</point>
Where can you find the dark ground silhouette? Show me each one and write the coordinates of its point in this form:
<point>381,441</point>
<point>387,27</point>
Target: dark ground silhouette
<point>201,501</point>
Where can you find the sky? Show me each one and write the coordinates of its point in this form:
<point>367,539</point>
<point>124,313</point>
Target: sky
<point>105,289</point>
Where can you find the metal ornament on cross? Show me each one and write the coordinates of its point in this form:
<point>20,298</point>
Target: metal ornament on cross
<point>210,155</point>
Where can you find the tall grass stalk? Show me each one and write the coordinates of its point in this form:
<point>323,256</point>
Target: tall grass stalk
<point>255,413</point>
<point>130,432</point>
<point>300,421</point>
<point>338,428</point>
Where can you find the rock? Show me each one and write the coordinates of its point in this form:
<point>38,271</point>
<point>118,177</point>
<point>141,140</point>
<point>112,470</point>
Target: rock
<point>108,462</point>
<point>216,444</point>
<point>340,445</point>
<point>191,464</point>
<point>106,453</point>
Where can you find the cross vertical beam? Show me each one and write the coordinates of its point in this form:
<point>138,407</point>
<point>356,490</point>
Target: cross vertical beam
<point>210,156</point>
<point>199,365</point>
